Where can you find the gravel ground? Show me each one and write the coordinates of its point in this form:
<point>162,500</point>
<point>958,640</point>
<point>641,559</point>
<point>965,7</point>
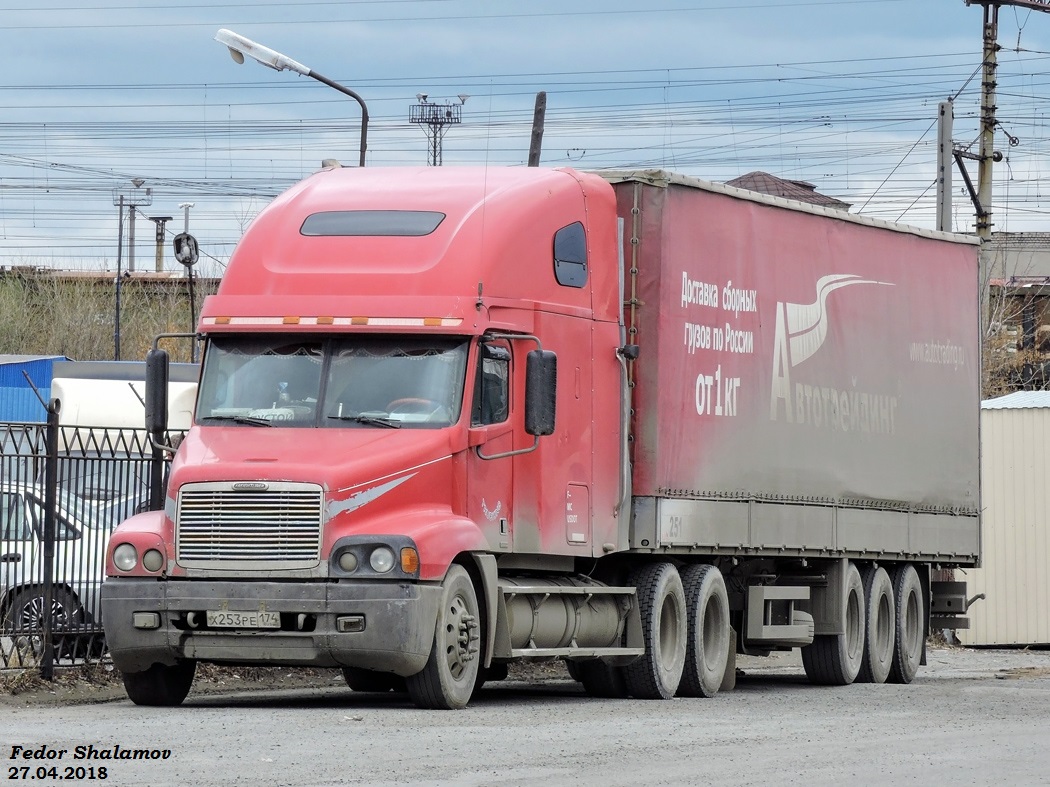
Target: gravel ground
<point>101,683</point>
<point>971,717</point>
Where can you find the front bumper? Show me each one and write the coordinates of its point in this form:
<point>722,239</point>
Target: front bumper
<point>397,623</point>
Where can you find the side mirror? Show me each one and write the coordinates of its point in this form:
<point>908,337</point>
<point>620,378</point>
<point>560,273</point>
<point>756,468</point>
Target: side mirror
<point>541,392</point>
<point>157,392</point>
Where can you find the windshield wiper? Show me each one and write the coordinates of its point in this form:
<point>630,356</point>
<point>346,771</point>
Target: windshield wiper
<point>239,419</point>
<point>369,420</point>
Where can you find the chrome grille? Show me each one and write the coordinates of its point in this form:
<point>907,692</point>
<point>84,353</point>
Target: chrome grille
<point>279,526</point>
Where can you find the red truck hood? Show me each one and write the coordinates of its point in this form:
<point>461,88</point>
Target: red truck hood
<point>346,462</point>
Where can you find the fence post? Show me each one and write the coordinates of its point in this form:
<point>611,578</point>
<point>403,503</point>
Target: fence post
<point>47,663</point>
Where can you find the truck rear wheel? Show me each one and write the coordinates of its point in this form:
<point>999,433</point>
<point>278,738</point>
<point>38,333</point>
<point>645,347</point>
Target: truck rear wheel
<point>451,672</point>
<point>600,679</point>
<point>879,625</point>
<point>834,659</point>
<point>661,601</point>
<point>910,628</point>
<point>707,644</point>
<point>160,685</point>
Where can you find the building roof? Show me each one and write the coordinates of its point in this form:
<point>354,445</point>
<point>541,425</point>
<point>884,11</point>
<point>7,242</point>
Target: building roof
<point>800,190</point>
<point>1018,401</point>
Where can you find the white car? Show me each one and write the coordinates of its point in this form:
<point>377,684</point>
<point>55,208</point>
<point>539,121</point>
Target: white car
<point>82,531</point>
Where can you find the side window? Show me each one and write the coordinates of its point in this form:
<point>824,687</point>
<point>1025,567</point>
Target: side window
<point>13,524</point>
<point>491,387</point>
<point>570,256</point>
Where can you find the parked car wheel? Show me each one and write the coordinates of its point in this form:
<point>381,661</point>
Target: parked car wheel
<point>24,622</point>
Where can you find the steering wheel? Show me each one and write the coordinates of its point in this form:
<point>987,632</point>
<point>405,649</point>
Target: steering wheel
<point>415,405</point>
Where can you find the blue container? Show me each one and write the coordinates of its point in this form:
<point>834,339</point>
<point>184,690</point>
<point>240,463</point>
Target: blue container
<point>17,400</point>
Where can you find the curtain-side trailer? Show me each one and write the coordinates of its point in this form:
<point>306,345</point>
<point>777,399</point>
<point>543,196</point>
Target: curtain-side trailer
<point>452,418</point>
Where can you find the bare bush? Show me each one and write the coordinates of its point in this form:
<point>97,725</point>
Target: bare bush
<point>44,312</point>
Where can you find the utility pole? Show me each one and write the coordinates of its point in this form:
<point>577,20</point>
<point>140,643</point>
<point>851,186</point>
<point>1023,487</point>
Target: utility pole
<point>185,208</point>
<point>986,151</point>
<point>435,117</point>
<point>945,116</point>
<point>134,199</point>
<point>987,140</point>
<point>160,221</point>
<point>536,142</point>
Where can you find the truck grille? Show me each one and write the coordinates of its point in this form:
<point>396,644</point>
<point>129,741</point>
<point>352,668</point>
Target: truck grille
<point>275,527</point>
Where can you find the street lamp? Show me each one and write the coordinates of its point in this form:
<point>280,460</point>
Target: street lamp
<point>240,46</point>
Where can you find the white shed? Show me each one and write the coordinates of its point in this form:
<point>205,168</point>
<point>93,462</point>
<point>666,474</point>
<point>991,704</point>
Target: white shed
<point>1015,528</point>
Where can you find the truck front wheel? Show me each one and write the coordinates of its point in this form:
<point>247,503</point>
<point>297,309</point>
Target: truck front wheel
<point>160,685</point>
<point>661,601</point>
<point>451,672</point>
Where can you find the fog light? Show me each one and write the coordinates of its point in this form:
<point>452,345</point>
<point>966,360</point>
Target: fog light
<point>125,557</point>
<point>349,624</point>
<point>381,560</point>
<point>348,562</point>
<point>145,620</point>
<point>153,560</point>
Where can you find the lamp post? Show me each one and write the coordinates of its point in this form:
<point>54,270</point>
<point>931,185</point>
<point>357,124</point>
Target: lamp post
<point>240,46</point>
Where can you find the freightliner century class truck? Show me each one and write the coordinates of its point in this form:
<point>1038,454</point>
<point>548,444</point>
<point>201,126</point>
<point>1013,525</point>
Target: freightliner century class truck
<point>452,418</point>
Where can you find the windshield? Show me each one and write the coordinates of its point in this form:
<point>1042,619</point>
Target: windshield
<point>341,381</point>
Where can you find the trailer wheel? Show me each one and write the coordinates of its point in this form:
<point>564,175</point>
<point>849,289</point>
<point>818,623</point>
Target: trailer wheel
<point>834,659</point>
<point>370,681</point>
<point>661,600</point>
<point>451,672</point>
<point>160,685</point>
<point>910,626</point>
<point>879,625</point>
<point>600,679</point>
<point>707,645</point>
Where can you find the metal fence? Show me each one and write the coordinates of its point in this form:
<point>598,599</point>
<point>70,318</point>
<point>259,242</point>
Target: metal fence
<point>62,491</point>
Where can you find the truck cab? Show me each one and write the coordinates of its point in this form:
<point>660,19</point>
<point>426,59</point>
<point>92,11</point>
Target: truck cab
<point>379,367</point>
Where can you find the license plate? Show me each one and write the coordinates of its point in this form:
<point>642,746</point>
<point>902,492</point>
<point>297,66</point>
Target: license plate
<point>227,619</point>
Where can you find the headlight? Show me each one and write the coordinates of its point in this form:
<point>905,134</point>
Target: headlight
<point>348,562</point>
<point>381,560</point>
<point>125,557</point>
<point>153,560</point>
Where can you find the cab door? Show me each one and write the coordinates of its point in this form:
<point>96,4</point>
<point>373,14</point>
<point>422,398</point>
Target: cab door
<point>490,474</point>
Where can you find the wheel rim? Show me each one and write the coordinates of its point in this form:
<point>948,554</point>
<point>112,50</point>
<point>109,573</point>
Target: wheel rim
<point>884,627</point>
<point>460,637</point>
<point>713,628</point>
<point>912,627</point>
<point>31,615</point>
<point>669,631</point>
<point>854,626</point>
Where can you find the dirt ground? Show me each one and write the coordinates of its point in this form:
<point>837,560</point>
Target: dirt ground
<point>102,683</point>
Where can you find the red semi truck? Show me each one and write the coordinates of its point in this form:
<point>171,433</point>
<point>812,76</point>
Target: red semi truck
<point>452,418</point>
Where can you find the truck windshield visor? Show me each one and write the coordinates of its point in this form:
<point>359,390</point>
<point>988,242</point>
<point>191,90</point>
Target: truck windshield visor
<point>372,382</point>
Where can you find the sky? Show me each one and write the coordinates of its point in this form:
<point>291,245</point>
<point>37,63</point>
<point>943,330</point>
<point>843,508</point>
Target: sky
<point>843,95</point>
